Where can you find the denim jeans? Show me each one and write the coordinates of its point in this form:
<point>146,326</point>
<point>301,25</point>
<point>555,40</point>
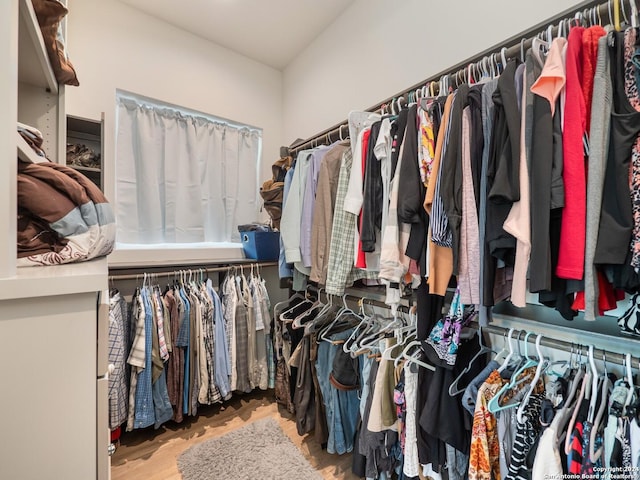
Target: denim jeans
<point>341,407</point>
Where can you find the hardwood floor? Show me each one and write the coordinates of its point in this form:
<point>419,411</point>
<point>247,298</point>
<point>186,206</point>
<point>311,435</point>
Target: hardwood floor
<point>152,454</point>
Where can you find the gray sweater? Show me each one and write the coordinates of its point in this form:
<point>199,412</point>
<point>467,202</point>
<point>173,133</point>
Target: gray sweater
<point>599,146</point>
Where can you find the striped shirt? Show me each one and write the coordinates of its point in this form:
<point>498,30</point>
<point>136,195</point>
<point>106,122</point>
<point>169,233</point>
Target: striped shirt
<point>439,222</point>
<point>526,434</point>
<point>341,273</point>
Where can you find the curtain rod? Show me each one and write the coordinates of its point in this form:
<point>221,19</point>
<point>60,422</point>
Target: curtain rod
<point>511,48</point>
<point>190,268</point>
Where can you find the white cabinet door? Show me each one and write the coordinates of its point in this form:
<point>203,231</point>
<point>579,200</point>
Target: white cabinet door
<point>48,387</point>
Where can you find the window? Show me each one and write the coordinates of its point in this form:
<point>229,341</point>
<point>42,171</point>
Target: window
<point>182,177</point>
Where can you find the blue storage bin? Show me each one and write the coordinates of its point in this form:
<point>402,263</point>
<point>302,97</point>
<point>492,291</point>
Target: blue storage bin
<point>261,245</point>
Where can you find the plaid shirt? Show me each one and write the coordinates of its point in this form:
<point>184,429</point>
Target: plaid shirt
<point>118,394</point>
<point>159,318</point>
<point>144,410</point>
<point>210,394</point>
<point>341,273</point>
<point>175,366</point>
<point>242,344</point>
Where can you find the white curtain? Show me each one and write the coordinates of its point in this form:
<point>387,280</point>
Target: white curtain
<point>182,178</point>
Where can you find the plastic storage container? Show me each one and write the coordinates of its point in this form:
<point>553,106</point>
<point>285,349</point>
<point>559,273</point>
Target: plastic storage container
<point>261,245</point>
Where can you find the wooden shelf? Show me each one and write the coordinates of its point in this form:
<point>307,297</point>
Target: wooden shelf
<point>34,67</point>
<point>80,168</point>
<point>46,281</point>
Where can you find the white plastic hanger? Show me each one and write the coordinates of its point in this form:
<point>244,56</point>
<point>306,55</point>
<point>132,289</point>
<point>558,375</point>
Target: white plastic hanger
<point>534,382</point>
<point>503,56</point>
<point>453,388</point>
<point>624,12</point>
<point>594,386</point>
<point>634,13</point>
<point>629,380</point>
<point>412,359</point>
<point>594,455</point>
<point>502,354</point>
<point>585,383</point>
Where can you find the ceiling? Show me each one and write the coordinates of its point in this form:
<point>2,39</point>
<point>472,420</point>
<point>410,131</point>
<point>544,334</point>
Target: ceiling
<point>272,32</point>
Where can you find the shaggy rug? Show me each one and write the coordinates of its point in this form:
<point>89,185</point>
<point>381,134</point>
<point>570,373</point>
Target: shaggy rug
<point>258,450</point>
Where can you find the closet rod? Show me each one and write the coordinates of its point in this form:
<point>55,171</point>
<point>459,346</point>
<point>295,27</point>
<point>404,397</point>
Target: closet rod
<point>598,353</point>
<point>513,45</point>
<point>357,298</point>
<point>193,268</point>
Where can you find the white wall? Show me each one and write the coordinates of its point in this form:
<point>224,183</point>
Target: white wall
<point>377,48</point>
<point>114,46</point>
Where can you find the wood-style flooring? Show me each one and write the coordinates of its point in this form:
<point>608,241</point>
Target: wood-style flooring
<point>152,454</point>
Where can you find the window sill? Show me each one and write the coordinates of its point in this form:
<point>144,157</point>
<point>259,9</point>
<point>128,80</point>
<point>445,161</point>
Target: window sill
<point>130,255</point>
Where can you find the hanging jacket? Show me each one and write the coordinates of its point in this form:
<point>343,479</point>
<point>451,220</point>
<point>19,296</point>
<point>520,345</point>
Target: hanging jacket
<point>372,195</point>
<point>410,202</point>
<point>616,218</point>
<point>451,177</point>
<point>503,168</point>
<point>440,258</point>
<point>572,235</point>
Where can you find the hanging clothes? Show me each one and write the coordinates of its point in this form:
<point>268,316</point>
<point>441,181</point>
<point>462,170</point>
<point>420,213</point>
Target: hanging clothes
<point>118,346</point>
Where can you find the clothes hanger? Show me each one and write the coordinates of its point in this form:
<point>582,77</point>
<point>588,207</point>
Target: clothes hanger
<point>585,382</point>
<point>594,455</point>
<point>494,404</point>
<point>296,309</point>
<point>597,10</point>
<point>502,354</point>
<point>510,357</point>
<point>616,15</point>
<point>578,378</point>
<point>414,359</point>
<point>346,310</point>
<point>453,388</point>
<point>536,377</point>
<point>387,352</point>
<point>624,13</point>
<point>393,324</point>
<point>633,12</point>
<point>629,378</point>
<point>503,57</point>
<point>371,327</point>
<point>594,386</point>
<point>298,322</point>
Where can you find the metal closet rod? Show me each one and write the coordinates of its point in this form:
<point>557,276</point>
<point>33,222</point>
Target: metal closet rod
<point>356,298</point>
<point>598,353</point>
<point>514,46</point>
<point>193,268</point>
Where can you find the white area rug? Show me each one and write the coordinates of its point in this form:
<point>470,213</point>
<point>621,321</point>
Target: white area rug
<point>260,450</point>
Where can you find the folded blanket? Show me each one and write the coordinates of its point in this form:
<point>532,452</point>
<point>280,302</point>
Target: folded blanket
<point>63,216</point>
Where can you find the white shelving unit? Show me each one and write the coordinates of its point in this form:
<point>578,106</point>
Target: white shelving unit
<point>53,333</point>
<point>90,134</point>
<point>34,67</point>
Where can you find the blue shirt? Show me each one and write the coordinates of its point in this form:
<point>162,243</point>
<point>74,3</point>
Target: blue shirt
<point>183,340</point>
<point>285,269</point>
<point>144,414</point>
<point>222,371</point>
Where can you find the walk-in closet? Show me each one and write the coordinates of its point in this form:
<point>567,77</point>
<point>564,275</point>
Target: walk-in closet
<point>348,239</point>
